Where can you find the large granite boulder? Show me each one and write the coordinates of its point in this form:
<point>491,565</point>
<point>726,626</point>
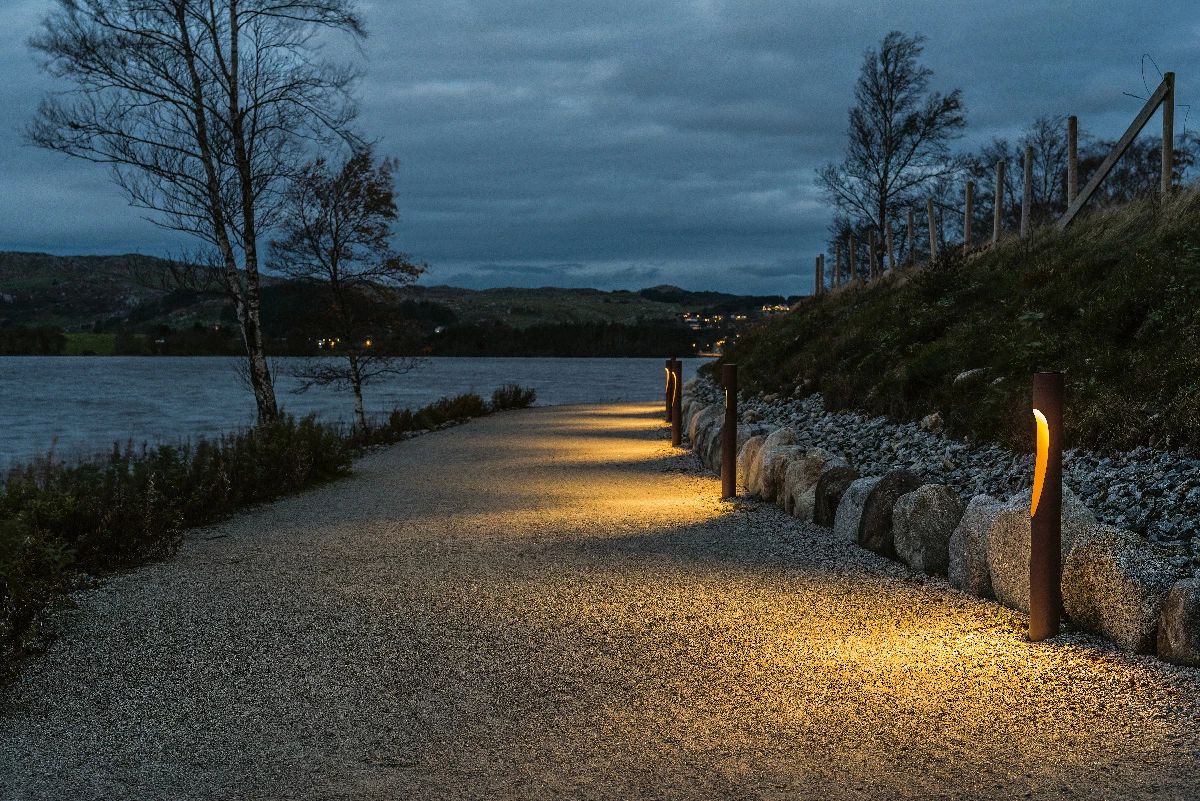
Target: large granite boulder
<point>754,467</point>
<point>875,527</point>
<point>747,456</point>
<point>1008,545</point>
<point>922,522</point>
<point>775,463</point>
<point>707,430</point>
<point>711,439</point>
<point>1179,624</point>
<point>800,480</point>
<point>705,416</point>
<point>1114,583</point>
<point>850,508</point>
<point>967,566</point>
<point>827,495</point>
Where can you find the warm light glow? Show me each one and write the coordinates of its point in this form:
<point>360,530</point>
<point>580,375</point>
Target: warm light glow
<point>1039,469</point>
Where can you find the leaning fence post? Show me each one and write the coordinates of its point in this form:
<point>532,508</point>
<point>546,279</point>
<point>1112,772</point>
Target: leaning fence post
<point>837,263</point>
<point>853,265</point>
<point>1168,133</point>
<point>729,432</point>
<point>1045,510</point>
<point>968,213</point>
<point>1072,158</point>
<point>932,231</point>
<point>677,403</point>
<point>998,211</point>
<point>1027,192</point>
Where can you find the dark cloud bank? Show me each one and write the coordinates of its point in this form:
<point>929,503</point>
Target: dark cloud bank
<point>623,144</point>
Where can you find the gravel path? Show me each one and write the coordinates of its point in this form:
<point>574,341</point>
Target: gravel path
<point>547,604</point>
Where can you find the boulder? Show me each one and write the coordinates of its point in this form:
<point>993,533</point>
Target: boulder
<point>705,415</point>
<point>800,480</point>
<point>711,440</point>
<point>747,456</point>
<point>1179,624</point>
<point>707,429</point>
<point>827,495</point>
<point>689,386</point>
<point>754,467</point>
<point>967,566</point>
<point>922,522</point>
<point>1114,583</point>
<point>850,508</point>
<point>1008,545</point>
<point>775,462</point>
<point>875,527</point>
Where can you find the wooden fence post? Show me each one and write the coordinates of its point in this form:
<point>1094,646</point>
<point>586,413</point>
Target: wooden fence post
<point>932,231</point>
<point>998,212</point>
<point>818,276</point>
<point>968,213</point>
<point>1027,193</point>
<point>891,252</point>
<point>874,262</point>
<point>853,265</point>
<point>1168,133</point>
<point>1072,158</point>
<point>908,252</point>
<point>837,263</point>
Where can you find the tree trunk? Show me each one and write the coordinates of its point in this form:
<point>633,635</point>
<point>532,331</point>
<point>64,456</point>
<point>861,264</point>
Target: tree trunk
<point>356,384</point>
<point>260,373</point>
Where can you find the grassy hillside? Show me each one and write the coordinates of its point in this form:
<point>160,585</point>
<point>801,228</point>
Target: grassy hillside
<point>104,293</point>
<point>1114,302</point>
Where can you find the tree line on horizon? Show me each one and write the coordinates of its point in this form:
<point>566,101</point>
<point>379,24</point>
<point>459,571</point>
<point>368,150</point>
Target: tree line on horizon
<point>899,154</point>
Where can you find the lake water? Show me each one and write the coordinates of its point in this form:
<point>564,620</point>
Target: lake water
<point>78,406</point>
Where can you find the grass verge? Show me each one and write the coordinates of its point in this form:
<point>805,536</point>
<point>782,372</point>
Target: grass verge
<point>1114,302</point>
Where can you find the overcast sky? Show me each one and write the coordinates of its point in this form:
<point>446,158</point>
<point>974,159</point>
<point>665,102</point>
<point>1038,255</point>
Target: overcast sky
<point>627,144</point>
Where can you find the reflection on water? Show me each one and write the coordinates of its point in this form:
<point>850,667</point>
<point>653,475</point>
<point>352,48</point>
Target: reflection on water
<point>80,405</point>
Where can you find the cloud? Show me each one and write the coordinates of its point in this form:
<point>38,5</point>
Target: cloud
<point>628,142</point>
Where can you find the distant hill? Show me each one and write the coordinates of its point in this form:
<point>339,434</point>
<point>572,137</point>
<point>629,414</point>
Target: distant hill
<point>106,293</point>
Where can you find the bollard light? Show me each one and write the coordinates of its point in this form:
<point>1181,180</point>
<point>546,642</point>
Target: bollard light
<point>1045,510</point>
<point>667,393</point>
<point>676,402</point>
<point>729,432</point>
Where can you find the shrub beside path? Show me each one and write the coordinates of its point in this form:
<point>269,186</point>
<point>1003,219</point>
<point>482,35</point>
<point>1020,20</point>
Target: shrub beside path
<point>550,604</point>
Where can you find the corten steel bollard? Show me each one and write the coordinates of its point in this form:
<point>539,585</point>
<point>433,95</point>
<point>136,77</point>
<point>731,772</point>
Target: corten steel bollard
<point>667,392</point>
<point>729,432</point>
<point>1045,547</point>
<point>676,402</point>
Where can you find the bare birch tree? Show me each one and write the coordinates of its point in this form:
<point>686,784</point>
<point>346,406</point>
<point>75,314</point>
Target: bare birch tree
<point>899,135</point>
<point>203,109</point>
<point>337,232</point>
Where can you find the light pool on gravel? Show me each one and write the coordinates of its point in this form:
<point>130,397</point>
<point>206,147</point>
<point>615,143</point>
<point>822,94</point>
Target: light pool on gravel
<point>82,405</point>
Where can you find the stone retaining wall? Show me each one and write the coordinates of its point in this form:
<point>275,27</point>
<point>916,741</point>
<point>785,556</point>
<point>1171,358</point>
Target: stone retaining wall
<point>1114,583</point>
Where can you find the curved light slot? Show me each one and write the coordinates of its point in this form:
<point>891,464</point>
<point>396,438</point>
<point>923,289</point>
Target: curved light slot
<point>1039,467</point>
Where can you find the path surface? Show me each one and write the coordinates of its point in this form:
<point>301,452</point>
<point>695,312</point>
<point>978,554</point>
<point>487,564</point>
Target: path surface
<point>548,604</point>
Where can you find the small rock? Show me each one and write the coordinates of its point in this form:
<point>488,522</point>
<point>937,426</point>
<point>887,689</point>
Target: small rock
<point>932,423</point>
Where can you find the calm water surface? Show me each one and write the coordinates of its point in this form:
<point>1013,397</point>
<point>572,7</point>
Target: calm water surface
<point>81,405</point>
